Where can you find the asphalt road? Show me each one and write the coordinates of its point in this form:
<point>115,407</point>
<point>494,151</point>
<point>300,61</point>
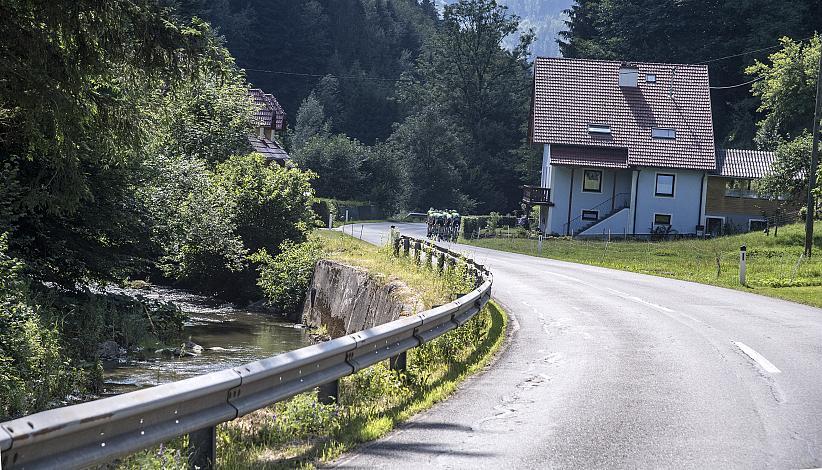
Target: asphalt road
<point>609,369</point>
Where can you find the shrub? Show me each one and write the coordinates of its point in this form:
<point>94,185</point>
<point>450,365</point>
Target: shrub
<point>33,370</point>
<point>475,223</point>
<point>273,204</point>
<point>284,278</point>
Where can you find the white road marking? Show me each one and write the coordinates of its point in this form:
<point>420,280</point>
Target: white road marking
<point>628,296</point>
<point>759,358</point>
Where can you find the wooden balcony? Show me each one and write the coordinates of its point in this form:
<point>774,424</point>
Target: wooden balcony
<point>536,196</point>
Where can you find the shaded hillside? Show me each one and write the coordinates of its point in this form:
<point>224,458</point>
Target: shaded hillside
<point>545,17</point>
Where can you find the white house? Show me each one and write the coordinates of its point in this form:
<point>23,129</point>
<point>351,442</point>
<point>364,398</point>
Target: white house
<point>627,148</point>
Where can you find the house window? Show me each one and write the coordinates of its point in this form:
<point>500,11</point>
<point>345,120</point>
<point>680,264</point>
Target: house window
<point>665,185</point>
<point>650,78</point>
<point>748,189</point>
<point>663,133</point>
<point>590,215</point>
<point>713,225</point>
<point>600,129</point>
<point>757,225</point>
<point>592,181</point>
<point>662,219</point>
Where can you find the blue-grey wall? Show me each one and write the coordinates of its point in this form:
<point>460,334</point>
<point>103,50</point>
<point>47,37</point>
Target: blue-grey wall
<point>684,207</point>
<point>561,177</point>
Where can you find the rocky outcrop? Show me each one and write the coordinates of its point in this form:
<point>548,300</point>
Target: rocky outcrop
<point>346,299</point>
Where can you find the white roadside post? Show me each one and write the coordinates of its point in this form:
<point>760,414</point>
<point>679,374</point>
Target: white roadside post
<point>743,258</point>
<point>330,220</point>
<point>539,245</point>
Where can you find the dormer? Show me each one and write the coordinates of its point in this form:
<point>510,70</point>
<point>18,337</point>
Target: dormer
<point>628,76</point>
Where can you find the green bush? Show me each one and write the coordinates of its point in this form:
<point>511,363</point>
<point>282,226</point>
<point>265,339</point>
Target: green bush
<point>273,203</point>
<point>89,318</point>
<point>284,278</point>
<point>33,371</point>
<point>471,224</point>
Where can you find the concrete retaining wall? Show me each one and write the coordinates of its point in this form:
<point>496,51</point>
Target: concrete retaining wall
<point>346,299</point>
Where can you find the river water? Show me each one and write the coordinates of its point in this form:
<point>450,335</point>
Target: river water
<point>230,335</point>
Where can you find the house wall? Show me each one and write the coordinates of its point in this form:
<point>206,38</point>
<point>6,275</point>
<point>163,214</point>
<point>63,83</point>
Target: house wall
<point>737,211</point>
<point>613,181</point>
<point>616,225</point>
<point>684,207</point>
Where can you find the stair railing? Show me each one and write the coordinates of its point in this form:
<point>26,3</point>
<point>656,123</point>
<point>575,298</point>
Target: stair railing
<point>566,227</point>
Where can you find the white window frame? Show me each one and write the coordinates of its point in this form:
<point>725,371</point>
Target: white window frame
<point>670,220</point>
<point>663,133</point>
<point>720,217</point>
<point>601,181</point>
<point>755,220</point>
<point>673,186</point>
<point>582,216</point>
<point>599,129</point>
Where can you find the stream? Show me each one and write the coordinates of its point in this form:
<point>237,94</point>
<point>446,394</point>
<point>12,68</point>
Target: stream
<point>230,335</point>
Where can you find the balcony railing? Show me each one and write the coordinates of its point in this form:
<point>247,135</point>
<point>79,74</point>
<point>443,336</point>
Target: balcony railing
<point>535,196</point>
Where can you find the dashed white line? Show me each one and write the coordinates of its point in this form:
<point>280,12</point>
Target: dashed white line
<point>759,358</point>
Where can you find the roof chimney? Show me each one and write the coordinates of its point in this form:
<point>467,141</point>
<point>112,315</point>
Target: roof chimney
<point>628,75</point>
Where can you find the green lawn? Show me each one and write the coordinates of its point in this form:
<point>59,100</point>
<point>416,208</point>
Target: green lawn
<point>775,265</point>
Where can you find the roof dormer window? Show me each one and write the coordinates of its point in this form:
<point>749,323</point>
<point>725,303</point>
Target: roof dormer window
<point>650,78</point>
<point>663,133</point>
<point>599,129</point>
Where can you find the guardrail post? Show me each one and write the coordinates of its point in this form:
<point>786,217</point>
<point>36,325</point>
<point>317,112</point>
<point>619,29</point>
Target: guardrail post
<point>399,362</point>
<point>329,393</point>
<point>406,246</point>
<point>417,252</point>
<point>202,448</point>
<point>440,262</point>
<point>395,242</point>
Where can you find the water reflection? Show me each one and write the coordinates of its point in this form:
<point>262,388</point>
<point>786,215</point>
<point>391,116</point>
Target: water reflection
<point>230,336</point>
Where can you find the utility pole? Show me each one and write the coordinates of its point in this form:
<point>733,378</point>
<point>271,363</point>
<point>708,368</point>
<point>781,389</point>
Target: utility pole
<point>814,162</point>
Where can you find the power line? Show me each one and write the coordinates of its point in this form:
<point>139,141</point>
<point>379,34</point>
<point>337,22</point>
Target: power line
<point>341,77</point>
<point>710,61</point>
<point>738,85</point>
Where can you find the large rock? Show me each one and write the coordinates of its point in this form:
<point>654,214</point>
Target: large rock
<point>109,350</point>
<point>346,299</point>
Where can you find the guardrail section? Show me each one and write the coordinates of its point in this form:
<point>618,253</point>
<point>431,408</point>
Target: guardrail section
<point>99,431</point>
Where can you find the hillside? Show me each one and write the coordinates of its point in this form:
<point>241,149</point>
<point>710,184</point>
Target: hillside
<point>545,17</point>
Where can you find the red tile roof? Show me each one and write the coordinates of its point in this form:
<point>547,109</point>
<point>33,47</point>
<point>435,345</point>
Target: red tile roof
<point>270,149</point>
<point>268,112</point>
<point>571,94</point>
<point>589,156</point>
<point>737,163</point>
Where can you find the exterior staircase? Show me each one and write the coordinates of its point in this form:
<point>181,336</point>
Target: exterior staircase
<point>599,221</point>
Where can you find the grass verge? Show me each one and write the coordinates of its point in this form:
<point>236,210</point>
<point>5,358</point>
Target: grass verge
<point>775,265</point>
<point>300,433</point>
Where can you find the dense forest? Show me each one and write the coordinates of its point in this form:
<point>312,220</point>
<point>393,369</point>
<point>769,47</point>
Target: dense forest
<point>368,83</point>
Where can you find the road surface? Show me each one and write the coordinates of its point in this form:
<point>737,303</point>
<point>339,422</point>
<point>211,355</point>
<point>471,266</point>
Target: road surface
<point>610,369</point>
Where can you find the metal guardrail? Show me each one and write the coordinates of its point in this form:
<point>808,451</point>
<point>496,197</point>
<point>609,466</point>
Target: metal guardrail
<point>100,431</point>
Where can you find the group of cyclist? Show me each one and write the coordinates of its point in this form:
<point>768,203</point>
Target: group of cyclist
<point>443,225</point>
